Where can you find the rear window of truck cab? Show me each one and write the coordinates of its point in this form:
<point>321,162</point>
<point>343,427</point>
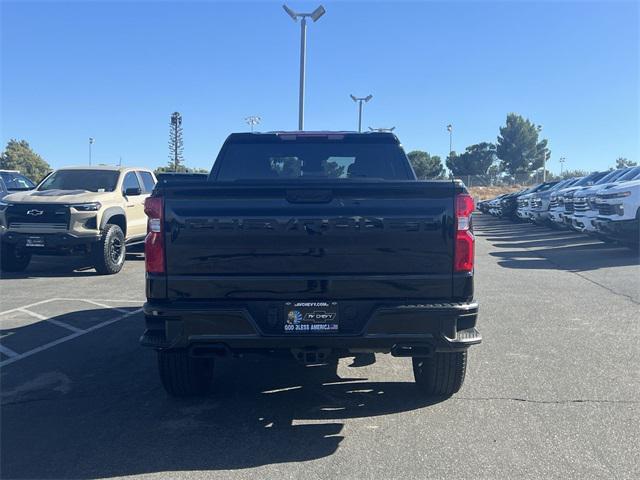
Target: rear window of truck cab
<point>312,159</point>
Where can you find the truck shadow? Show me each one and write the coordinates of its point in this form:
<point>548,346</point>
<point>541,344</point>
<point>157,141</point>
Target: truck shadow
<point>63,266</point>
<point>94,407</point>
<point>527,246</point>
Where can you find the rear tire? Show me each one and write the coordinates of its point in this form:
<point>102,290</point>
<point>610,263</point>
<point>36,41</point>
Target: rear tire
<point>182,375</point>
<point>12,259</point>
<point>110,251</point>
<point>441,375</point>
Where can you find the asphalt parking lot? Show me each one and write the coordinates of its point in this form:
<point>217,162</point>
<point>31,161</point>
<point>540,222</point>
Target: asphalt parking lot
<point>553,390</point>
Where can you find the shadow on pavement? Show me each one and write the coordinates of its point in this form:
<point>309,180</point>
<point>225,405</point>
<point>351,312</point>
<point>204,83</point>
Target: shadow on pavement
<point>527,246</point>
<point>62,266</point>
<point>94,407</point>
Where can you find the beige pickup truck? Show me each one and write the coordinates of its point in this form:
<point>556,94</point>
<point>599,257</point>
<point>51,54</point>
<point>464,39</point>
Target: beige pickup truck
<point>93,211</point>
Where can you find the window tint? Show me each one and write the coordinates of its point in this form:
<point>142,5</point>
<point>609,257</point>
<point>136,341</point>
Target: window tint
<point>147,181</point>
<point>15,181</point>
<point>317,159</point>
<point>90,180</point>
<point>630,175</point>
<point>130,181</point>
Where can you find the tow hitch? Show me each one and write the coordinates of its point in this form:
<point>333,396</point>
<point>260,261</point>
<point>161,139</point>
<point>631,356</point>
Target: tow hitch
<point>312,356</point>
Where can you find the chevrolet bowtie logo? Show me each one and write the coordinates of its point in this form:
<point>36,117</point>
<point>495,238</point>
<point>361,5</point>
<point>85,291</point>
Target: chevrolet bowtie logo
<point>35,213</point>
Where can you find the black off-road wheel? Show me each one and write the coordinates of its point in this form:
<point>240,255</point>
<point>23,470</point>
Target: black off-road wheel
<point>109,253</point>
<point>441,375</point>
<point>12,259</point>
<point>184,376</point>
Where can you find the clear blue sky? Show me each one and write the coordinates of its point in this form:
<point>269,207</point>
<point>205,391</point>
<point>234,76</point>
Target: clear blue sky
<point>116,70</point>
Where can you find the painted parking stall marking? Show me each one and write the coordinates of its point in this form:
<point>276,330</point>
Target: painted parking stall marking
<point>42,325</point>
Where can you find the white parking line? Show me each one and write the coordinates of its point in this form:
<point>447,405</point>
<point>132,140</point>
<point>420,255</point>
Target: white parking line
<point>103,305</point>
<point>15,357</point>
<point>30,305</point>
<point>8,352</point>
<point>33,314</point>
<point>50,320</point>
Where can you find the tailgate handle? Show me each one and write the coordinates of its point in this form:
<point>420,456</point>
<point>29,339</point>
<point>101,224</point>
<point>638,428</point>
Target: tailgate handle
<point>309,196</point>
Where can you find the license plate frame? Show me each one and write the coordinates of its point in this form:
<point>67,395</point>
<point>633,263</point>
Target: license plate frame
<point>35,241</point>
<point>311,317</point>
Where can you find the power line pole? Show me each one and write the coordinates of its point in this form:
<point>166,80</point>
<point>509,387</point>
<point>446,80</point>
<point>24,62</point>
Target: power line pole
<point>360,101</point>
<point>315,16</point>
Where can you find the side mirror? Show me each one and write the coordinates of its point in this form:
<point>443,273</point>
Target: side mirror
<point>132,192</point>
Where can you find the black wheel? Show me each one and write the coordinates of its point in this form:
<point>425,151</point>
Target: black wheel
<point>182,375</point>
<point>441,375</point>
<point>12,259</point>
<point>110,251</point>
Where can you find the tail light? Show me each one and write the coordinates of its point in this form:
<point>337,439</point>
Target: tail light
<point>154,242</point>
<point>464,245</point>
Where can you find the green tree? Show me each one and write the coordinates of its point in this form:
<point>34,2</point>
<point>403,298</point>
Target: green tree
<point>475,160</point>
<point>425,165</point>
<point>622,162</point>
<point>18,155</point>
<point>518,147</point>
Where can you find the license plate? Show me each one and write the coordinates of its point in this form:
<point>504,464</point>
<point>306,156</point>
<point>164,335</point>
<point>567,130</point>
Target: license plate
<point>35,242</point>
<point>311,317</point>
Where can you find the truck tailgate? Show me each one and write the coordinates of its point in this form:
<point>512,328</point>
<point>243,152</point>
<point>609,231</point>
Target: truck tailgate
<point>359,240</point>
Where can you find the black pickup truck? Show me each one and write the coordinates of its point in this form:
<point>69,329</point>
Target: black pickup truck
<point>322,244</point>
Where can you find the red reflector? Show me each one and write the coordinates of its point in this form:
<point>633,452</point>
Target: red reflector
<point>154,252</point>
<point>464,205</point>
<point>464,244</point>
<point>153,207</point>
<point>464,253</point>
<point>154,241</point>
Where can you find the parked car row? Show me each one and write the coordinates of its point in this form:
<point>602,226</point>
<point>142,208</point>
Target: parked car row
<point>605,205</point>
<point>91,211</point>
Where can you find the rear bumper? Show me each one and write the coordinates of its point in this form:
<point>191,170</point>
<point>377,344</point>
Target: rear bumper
<point>441,327</point>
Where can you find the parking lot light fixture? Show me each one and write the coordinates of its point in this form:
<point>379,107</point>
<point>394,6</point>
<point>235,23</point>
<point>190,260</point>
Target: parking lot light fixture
<point>253,120</point>
<point>360,101</point>
<point>315,16</point>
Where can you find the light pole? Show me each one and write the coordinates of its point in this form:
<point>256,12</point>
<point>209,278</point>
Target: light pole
<point>544,159</point>
<point>450,130</point>
<point>253,120</point>
<point>359,101</point>
<point>382,129</point>
<point>315,16</point>
<point>91,140</point>
<point>562,160</point>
